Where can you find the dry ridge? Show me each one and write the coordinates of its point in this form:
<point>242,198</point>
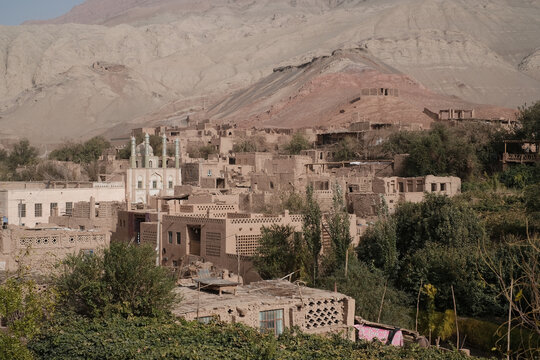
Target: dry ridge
<point>183,54</point>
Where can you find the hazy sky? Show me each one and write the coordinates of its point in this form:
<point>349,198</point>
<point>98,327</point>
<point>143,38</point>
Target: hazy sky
<point>14,12</point>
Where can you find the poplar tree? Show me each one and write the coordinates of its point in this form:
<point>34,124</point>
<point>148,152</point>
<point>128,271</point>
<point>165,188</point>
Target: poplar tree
<point>312,229</point>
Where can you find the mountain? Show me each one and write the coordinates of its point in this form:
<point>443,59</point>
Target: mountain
<point>348,86</point>
<point>188,52</point>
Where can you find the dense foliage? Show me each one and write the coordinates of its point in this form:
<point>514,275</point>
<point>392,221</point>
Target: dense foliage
<point>438,151</point>
<point>278,252</point>
<point>347,149</point>
<point>433,242</point>
<point>338,227</point>
<point>22,154</point>
<point>201,151</point>
<point>145,338</point>
<point>120,280</point>
<point>529,117</point>
<point>22,311</point>
<point>297,144</point>
<point>311,229</point>
<point>81,153</point>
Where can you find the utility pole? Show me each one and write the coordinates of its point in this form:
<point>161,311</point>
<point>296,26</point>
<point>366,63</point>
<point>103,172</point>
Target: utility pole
<point>238,255</point>
<point>158,237</point>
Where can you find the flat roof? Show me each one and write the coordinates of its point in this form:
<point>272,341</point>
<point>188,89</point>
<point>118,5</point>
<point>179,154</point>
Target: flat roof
<point>259,293</point>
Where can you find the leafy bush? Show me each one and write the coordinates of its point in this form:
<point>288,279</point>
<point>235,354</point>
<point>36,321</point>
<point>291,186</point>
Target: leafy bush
<point>278,252</point>
<point>83,153</point>
<point>489,336</point>
<point>203,151</point>
<point>347,149</point>
<point>22,310</point>
<point>297,144</point>
<point>120,280</point>
<point>530,121</point>
<point>439,151</point>
<point>519,176</point>
<point>146,338</point>
<point>367,285</point>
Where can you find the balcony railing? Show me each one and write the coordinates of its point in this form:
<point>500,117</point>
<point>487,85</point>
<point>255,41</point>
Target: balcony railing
<point>520,158</point>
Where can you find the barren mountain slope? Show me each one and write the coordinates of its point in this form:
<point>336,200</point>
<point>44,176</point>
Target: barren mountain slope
<point>337,90</point>
<point>469,49</point>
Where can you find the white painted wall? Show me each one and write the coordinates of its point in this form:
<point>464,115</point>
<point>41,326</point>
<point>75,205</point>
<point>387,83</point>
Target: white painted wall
<point>10,199</point>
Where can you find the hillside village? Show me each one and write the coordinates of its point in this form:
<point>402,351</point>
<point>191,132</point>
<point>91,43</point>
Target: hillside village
<point>271,179</point>
<point>204,195</point>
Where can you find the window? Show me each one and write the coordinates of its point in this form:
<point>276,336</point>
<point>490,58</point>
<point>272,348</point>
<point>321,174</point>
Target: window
<point>206,319</point>
<point>209,172</point>
<point>401,187</point>
<point>22,210</point>
<point>139,182</point>
<point>178,238</point>
<point>170,237</point>
<point>150,163</point>
<point>54,206</point>
<point>69,208</point>
<point>154,184</point>
<point>38,210</point>
<point>271,321</point>
<point>443,187</point>
<point>433,187</point>
<point>170,182</point>
<point>175,263</point>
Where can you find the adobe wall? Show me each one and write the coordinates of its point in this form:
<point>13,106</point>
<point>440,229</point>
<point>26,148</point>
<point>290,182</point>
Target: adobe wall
<point>314,312</point>
<point>39,250</point>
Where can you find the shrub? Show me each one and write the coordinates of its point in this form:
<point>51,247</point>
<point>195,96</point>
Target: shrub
<point>146,338</point>
<point>120,280</point>
<point>297,144</point>
<point>83,153</point>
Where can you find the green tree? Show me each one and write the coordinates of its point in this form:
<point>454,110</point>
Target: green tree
<point>378,245</point>
<point>367,285</point>
<point>122,279</point>
<point>530,122</point>
<point>439,151</point>
<point>339,230</point>
<point>23,310</point>
<point>347,149</point>
<point>312,230</point>
<point>519,176</point>
<point>81,153</point>
<point>277,255</point>
<point>23,154</point>
<point>297,144</point>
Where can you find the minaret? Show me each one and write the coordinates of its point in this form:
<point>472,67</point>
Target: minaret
<point>164,152</point>
<point>133,153</point>
<point>177,153</point>
<point>146,149</point>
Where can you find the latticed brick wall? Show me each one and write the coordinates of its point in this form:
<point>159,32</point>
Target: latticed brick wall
<point>324,312</point>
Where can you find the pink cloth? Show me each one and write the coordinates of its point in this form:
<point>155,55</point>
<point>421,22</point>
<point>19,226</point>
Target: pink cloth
<point>371,333</point>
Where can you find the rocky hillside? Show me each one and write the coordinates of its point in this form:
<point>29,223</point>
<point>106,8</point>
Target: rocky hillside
<point>196,51</point>
<point>348,86</point>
